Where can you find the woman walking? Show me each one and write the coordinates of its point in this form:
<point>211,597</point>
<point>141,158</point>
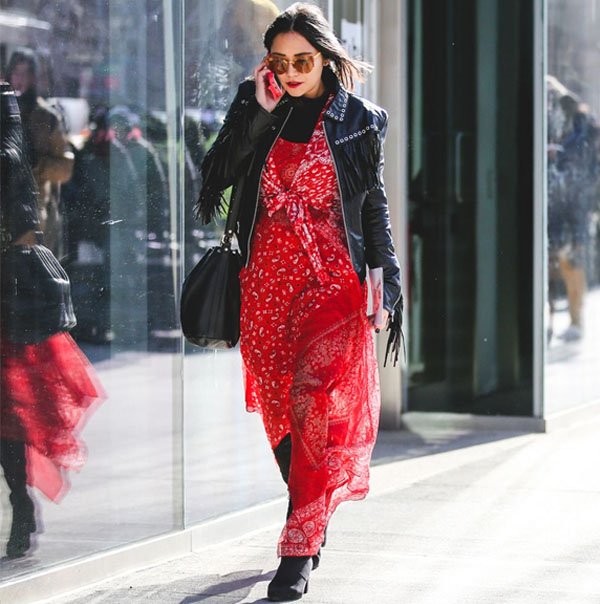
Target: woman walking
<point>307,165</point>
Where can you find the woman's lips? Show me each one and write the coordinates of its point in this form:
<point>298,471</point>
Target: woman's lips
<point>294,84</point>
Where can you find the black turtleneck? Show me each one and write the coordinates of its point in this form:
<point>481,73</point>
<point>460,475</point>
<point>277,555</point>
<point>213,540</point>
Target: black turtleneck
<point>303,119</point>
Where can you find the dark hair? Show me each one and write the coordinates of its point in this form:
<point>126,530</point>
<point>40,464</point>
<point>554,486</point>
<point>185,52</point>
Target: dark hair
<point>308,21</point>
<point>21,55</point>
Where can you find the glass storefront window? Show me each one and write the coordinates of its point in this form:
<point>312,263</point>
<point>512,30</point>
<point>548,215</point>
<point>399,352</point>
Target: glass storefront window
<point>94,81</point>
<point>573,204</point>
<point>226,451</point>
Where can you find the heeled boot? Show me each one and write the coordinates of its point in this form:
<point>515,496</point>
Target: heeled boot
<point>291,579</point>
<point>23,524</point>
<point>12,459</point>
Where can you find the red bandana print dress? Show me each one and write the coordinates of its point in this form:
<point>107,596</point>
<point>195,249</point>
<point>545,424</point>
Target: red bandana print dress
<point>47,393</point>
<point>309,360</point>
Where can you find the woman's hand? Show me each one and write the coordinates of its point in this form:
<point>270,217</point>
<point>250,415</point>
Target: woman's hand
<point>377,326</point>
<point>263,96</point>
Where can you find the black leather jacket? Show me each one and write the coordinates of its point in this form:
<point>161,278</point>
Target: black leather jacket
<point>354,128</point>
<point>18,200</point>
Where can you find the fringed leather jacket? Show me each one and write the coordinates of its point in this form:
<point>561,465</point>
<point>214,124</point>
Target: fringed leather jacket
<point>355,130</point>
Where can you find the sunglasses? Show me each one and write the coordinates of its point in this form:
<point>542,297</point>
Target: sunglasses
<point>302,64</point>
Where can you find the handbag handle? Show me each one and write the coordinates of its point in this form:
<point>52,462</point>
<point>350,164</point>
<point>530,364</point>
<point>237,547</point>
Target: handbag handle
<point>232,216</point>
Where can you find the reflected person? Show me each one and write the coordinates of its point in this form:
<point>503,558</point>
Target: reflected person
<point>46,388</point>
<point>46,146</point>
<point>243,22</point>
<point>308,169</point>
<point>573,174</point>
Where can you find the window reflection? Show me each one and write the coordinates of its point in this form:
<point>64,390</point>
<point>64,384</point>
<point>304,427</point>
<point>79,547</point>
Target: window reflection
<point>92,84</point>
<point>573,163</point>
<point>47,385</point>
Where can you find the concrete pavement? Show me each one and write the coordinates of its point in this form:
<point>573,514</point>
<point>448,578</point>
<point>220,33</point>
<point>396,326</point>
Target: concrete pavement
<point>501,518</point>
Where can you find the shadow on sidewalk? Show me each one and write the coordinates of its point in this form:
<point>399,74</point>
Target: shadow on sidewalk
<point>397,445</point>
<point>226,589</point>
<point>231,588</point>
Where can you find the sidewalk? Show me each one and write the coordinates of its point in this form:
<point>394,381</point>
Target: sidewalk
<point>505,518</point>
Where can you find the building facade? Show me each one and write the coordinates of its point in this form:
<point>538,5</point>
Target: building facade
<point>492,176</point>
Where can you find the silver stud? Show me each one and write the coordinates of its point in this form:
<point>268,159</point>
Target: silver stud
<point>337,142</point>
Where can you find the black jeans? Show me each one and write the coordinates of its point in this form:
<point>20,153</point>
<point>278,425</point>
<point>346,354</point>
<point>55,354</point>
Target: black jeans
<point>283,455</point>
<point>14,465</point>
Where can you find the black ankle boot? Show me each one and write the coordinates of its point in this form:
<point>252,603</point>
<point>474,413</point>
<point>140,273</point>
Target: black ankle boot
<point>316,560</point>
<point>317,557</point>
<point>23,524</point>
<point>291,579</point>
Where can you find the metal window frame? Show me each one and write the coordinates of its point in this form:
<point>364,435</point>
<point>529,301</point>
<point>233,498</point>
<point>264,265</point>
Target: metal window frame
<point>540,244</point>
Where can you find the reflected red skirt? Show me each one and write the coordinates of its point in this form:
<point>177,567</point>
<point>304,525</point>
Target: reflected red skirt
<point>48,391</point>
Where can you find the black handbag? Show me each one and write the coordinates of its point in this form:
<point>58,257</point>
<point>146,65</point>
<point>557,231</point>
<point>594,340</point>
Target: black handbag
<point>210,297</point>
<point>36,295</point>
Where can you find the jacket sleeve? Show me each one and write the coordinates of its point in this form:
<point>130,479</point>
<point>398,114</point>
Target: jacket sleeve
<point>245,124</point>
<point>377,231</point>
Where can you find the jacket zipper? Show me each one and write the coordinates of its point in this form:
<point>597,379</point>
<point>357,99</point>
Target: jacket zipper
<point>287,117</point>
<point>337,176</point>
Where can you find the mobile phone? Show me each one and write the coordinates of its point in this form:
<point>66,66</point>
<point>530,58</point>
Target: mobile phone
<point>376,297</point>
<point>273,86</point>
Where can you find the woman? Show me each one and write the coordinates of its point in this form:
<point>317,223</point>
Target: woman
<point>47,387</point>
<point>308,170</point>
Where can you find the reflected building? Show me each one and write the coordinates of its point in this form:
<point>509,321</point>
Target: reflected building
<point>492,159</point>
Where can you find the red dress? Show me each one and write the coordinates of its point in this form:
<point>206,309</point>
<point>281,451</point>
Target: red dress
<point>309,360</point>
<point>48,390</point>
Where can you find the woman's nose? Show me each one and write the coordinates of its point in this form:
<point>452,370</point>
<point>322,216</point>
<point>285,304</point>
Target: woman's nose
<point>291,66</point>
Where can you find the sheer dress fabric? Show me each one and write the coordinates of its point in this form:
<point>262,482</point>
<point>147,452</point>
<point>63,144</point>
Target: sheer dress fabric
<point>48,391</point>
<point>308,353</point>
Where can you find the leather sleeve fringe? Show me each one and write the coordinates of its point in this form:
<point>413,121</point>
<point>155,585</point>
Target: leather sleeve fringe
<point>396,334</point>
<point>211,202</point>
<point>364,174</point>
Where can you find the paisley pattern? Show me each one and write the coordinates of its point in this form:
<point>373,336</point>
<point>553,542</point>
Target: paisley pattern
<point>308,353</point>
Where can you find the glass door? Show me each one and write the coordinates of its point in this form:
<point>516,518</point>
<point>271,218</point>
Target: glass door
<point>470,206</point>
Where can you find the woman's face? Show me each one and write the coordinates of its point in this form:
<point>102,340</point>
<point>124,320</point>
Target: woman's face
<point>21,78</point>
<point>292,45</point>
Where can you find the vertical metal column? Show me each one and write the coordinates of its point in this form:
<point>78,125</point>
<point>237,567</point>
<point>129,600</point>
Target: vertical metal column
<point>540,244</point>
<point>174,96</point>
<point>485,371</point>
<point>391,65</point>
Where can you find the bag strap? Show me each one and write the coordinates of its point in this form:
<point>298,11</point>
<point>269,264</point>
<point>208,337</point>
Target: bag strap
<point>230,225</point>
